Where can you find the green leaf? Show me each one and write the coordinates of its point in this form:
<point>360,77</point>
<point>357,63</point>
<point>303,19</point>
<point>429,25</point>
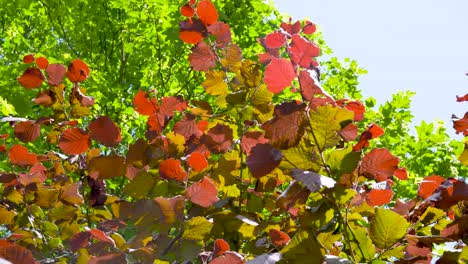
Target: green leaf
<point>361,244</point>
<point>431,215</point>
<point>197,228</point>
<point>302,247</point>
<point>387,228</point>
<point>342,161</point>
<point>140,186</point>
<point>326,122</point>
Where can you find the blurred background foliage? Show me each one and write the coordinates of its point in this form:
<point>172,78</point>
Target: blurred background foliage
<point>131,45</point>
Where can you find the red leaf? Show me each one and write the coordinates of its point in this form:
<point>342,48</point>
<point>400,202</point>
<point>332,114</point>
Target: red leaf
<point>105,131</point>
<point>274,40</point>
<point>309,28</point>
<point>263,159</point>
<point>192,31</point>
<point>302,51</point>
<point>458,229</point>
<point>2,148</point>
<point>172,170</point>
<point>279,74</point>
<point>74,141</point>
<point>15,253</point>
<point>143,105</point>
<point>106,167</point>
<point>462,98</point>
<point>379,163</point>
<point>206,12</point>
<point>28,58</point>
<point>27,131</point>
<point>310,86</point>
<point>356,106</point>
<point>78,71</point>
<point>285,130</point>
<point>203,193</point>
<point>202,125</point>
<point>250,139</point>
<point>278,237</point>
<point>169,104</point>
<point>403,208</point>
<point>101,236</point>
<point>229,257</point>
<point>222,33</point>
<point>291,28</point>
<point>349,132</point>
<point>220,246</point>
<point>188,127</point>
<point>55,74</point>
<point>219,138</point>
<point>429,185</point>
<point>461,125</point>
<point>401,174</point>
<point>373,131</point>
<point>450,193</point>
<point>36,174</point>
<point>197,161</point>
<point>115,258</point>
<point>79,240</point>
<point>31,78</point>
<point>202,57</point>
<point>187,10</point>
<point>20,156</point>
<point>379,197</point>
<point>42,63</point>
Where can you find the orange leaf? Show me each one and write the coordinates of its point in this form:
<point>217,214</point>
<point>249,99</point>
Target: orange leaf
<point>278,75</point>
<point>429,185</point>
<point>197,161</point>
<point>101,236</point>
<point>379,197</point>
<point>31,78</point>
<point>379,164</point>
<point>78,71</point>
<point>220,246</point>
<point>192,31</point>
<point>401,174</point>
<point>207,13</point>
<point>203,193</point>
<point>28,58</point>
<point>74,141</point>
<point>42,63</point>
<point>187,10</point>
<point>143,105</point>
<point>171,169</point>
<point>20,156</point>
<point>105,131</point>
<point>278,237</point>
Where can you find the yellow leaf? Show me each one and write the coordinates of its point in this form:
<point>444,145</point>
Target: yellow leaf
<point>214,83</point>
<point>232,58</point>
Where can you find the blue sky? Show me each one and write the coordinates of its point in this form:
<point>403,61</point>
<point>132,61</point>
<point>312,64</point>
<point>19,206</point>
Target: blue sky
<point>414,45</point>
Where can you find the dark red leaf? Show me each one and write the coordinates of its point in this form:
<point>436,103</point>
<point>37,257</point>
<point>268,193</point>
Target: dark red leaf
<point>285,130</point>
<point>55,74</point>
<point>105,131</point>
<point>188,127</point>
<point>379,197</point>
<point>429,185</point>
<point>31,78</point>
<point>278,237</point>
<point>20,156</point>
<point>170,104</point>
<point>202,57</point>
<point>263,159</point>
<point>197,161</point>
<point>222,33</point>
<point>220,246</point>
<point>187,10</point>
<point>310,85</point>
<point>172,170</point>
<point>229,257</point>
<point>143,105</point>
<point>28,58</point>
<point>27,131</point>
<point>115,258</point>
<point>458,229</point>
<point>373,131</point>
<point>378,164</point>
<point>291,28</point>
<point>42,63</point>
<point>309,27</point>
<point>192,31</point>
<point>218,138</point>
<point>349,132</point>
<point>79,240</point>
<point>106,167</point>
<point>278,75</point>
<point>250,139</point>
<point>401,174</point>
<point>302,51</point>
<point>15,253</point>
<point>207,12</point>
<point>78,71</point>
<point>274,40</point>
<point>203,193</point>
<point>462,98</point>
<point>449,193</point>
<point>74,141</point>
<point>461,125</point>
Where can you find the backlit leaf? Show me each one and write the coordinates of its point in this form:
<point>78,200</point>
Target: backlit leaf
<point>222,33</point>
<point>207,12</point>
<point>188,127</point>
<point>31,78</point>
<point>285,130</point>
<point>387,228</point>
<point>232,58</point>
<point>378,164</point>
<point>197,161</point>
<point>27,131</point>
<point>106,167</point>
<point>20,156</point>
<point>429,185</point>
<point>302,246</point>
<point>197,228</point>
<point>379,197</point>
<point>353,105</point>
<point>214,83</point>
<point>291,28</point>
<point>101,236</point>
<point>326,123</point>
<point>192,31</point>
<point>219,138</point>
<point>74,141</point>
<point>55,74</point>
<point>275,40</point>
<point>203,192</point>
<point>105,131</point>
<point>202,57</point>
<point>42,63</point>
<point>250,139</point>
<point>263,159</point>
<point>309,28</point>
<point>302,51</point>
<point>28,58</point>
<point>220,246</point>
<point>143,105</point>
<point>278,75</point>
<point>373,131</point>
<point>278,237</point>
<point>78,71</point>
<point>172,170</point>
<point>310,86</point>
<point>187,10</point>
